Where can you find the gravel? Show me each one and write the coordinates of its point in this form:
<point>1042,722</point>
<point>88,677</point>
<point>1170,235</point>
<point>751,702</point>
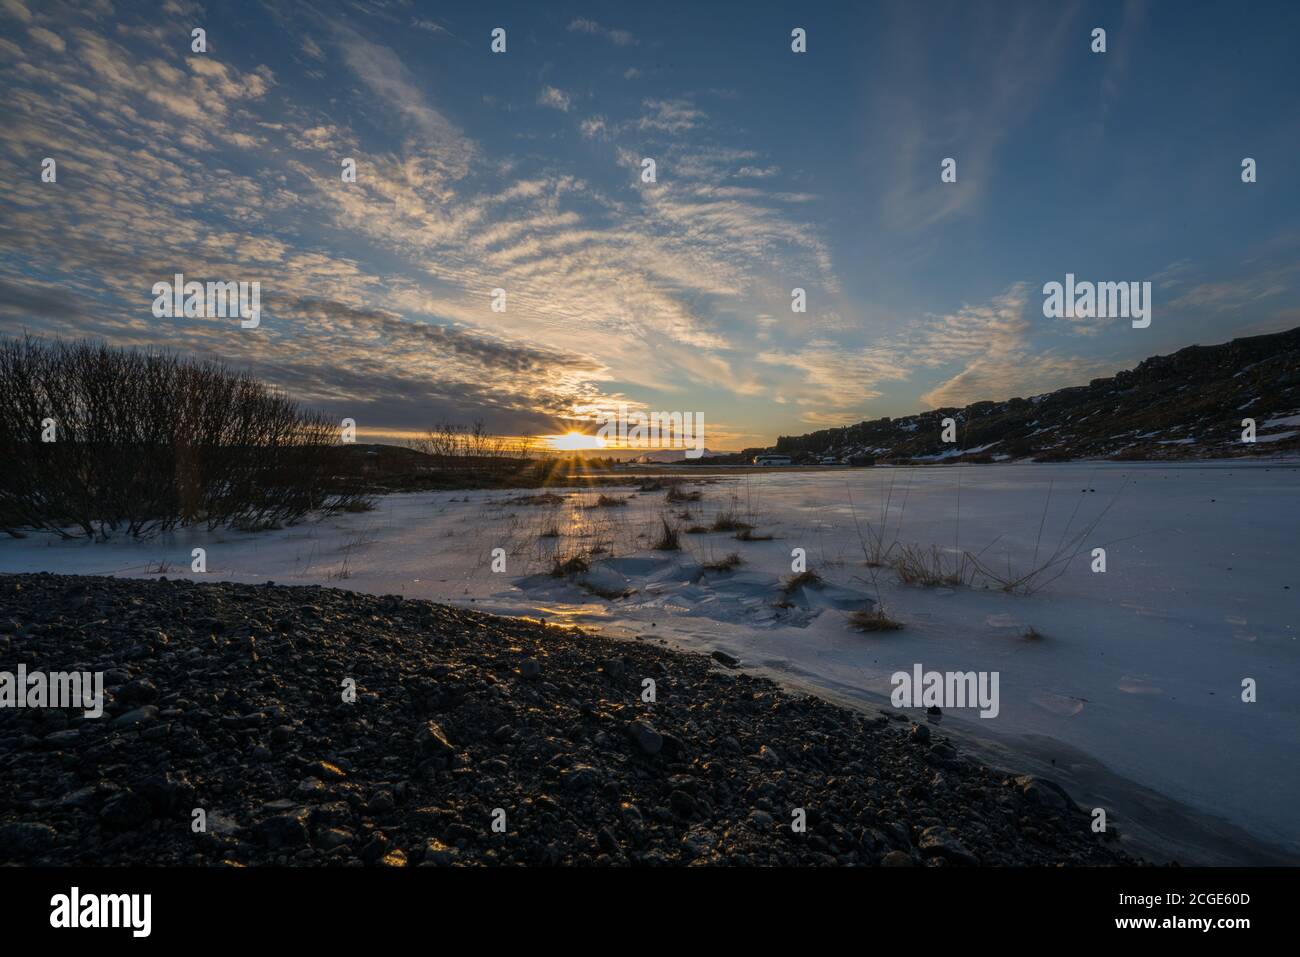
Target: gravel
<point>262,724</point>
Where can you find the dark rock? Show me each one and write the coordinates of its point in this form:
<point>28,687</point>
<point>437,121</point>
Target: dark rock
<point>432,741</point>
<point>1046,794</point>
<point>939,842</point>
<point>23,840</point>
<point>647,738</point>
<point>581,777</point>
<point>125,811</point>
<point>285,830</point>
<point>136,717</point>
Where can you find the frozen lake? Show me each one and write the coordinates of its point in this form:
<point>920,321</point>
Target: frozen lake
<point>1134,684</point>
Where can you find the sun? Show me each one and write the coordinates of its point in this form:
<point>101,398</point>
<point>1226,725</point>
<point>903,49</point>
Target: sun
<point>574,442</point>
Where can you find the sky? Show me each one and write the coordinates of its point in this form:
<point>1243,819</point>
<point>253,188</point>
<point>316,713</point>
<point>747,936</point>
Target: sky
<point>774,170</point>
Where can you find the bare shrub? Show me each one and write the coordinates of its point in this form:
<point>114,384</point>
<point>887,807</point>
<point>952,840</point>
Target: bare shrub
<point>146,441</point>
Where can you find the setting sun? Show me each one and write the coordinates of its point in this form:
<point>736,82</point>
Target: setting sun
<point>573,442</point>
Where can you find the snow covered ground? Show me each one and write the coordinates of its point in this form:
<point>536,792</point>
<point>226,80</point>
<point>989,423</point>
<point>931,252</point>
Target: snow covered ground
<point>1131,696</point>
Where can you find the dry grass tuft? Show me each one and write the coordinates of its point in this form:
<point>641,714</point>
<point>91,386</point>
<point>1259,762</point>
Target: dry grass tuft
<point>669,541</point>
<point>675,495</point>
<point>933,566</point>
<point>724,564</point>
<point>874,620</point>
<point>728,522</point>
<point>804,579</point>
<point>545,498</point>
<point>573,565</point>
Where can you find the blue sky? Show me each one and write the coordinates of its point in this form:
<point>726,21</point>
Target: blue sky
<point>774,170</point>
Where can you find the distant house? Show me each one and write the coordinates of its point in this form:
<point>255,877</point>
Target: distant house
<point>773,460</point>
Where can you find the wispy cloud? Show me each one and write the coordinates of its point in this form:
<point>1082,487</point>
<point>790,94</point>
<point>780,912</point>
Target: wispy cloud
<point>377,293</point>
<point>621,38</point>
<point>555,98</point>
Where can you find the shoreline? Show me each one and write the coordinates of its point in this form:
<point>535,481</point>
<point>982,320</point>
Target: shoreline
<point>225,697</point>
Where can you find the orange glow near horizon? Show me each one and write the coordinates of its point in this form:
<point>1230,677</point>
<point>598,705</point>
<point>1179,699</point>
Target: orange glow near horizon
<point>573,442</point>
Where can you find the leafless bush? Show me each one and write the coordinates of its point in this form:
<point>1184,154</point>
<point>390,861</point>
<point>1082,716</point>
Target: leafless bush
<point>454,446</point>
<point>146,441</point>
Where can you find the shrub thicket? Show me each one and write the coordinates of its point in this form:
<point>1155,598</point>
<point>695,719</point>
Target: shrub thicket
<point>147,441</point>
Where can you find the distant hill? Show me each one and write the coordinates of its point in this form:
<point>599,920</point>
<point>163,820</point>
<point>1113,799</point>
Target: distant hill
<point>1186,405</point>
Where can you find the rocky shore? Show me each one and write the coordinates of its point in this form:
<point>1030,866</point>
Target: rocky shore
<point>470,739</point>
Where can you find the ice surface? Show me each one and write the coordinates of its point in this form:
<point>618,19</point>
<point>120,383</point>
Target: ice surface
<point>1140,667</point>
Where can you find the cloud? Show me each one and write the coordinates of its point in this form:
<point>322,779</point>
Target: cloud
<point>376,293</point>
<point>1017,57</point>
<point>990,340</point>
<point>16,9</point>
<point>1240,293</point>
<point>555,98</point>
<point>429,25</point>
<point>670,116</point>
<point>395,88</point>
<point>621,38</point>
<point>48,38</point>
